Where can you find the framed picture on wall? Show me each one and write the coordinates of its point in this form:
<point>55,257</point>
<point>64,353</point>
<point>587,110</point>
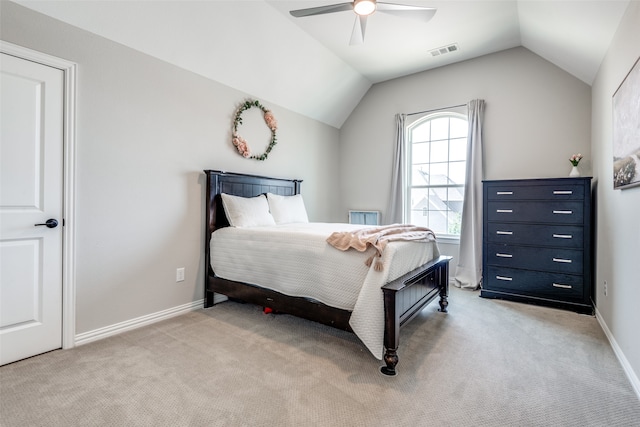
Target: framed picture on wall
<point>626,130</point>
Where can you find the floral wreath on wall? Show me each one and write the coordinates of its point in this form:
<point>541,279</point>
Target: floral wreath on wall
<point>241,144</point>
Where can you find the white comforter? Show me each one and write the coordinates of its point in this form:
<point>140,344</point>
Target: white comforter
<point>296,260</point>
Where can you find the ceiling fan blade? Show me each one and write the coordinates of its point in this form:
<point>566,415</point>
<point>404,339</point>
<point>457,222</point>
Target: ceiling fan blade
<point>321,10</point>
<point>423,14</point>
<point>359,27</point>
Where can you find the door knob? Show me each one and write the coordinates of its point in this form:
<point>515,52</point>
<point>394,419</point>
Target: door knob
<point>51,223</point>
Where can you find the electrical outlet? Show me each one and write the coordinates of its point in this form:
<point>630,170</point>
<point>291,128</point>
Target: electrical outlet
<point>605,288</point>
<point>180,274</point>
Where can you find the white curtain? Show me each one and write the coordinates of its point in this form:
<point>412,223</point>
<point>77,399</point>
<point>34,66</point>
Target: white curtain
<point>396,203</point>
<point>469,269</point>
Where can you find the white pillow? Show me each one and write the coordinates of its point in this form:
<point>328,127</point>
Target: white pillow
<point>247,211</point>
<point>287,209</point>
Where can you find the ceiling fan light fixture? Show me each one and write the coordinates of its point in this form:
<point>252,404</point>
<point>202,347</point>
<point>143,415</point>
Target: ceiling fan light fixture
<point>364,7</point>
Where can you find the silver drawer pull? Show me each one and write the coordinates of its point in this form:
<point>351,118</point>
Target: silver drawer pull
<point>504,210</point>
<point>563,236</point>
<point>506,233</point>
<point>558,285</point>
<point>563,192</point>
<point>508,279</point>
<point>563,212</point>
<point>504,255</point>
<point>567,261</point>
<point>504,193</point>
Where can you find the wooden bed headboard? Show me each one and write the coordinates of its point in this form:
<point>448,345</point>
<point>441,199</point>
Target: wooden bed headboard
<point>242,185</point>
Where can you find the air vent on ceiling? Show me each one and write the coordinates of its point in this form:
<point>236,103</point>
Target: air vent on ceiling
<point>444,49</point>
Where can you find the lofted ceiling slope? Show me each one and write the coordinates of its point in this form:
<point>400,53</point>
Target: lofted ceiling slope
<point>307,65</point>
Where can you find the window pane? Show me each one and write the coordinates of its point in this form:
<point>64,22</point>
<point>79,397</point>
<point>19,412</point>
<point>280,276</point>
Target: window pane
<point>459,128</point>
<point>417,218</point>
<point>440,151</point>
<point>440,128</point>
<point>439,172</point>
<point>420,153</point>
<point>420,175</point>
<point>455,198</point>
<point>438,198</point>
<point>455,221</point>
<point>421,132</point>
<point>457,172</point>
<point>438,210</point>
<point>458,149</point>
<point>419,198</point>
<point>438,222</point>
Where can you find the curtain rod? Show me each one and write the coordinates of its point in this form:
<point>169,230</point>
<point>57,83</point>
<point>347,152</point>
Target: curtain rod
<point>436,109</point>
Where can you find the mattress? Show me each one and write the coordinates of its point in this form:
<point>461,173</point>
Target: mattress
<point>296,260</point>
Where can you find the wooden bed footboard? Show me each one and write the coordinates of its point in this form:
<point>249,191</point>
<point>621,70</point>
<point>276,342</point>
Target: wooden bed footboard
<point>406,296</point>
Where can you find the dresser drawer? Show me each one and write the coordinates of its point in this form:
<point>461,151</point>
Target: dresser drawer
<point>534,283</point>
<point>563,236</point>
<point>557,260</point>
<point>553,213</point>
<point>561,191</point>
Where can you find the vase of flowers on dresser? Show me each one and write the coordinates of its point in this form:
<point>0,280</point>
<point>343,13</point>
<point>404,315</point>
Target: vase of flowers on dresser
<point>575,161</point>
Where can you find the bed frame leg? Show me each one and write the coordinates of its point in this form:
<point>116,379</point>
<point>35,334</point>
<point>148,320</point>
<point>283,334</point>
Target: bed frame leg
<point>391,360</point>
<point>444,302</point>
<point>443,282</point>
<point>208,301</point>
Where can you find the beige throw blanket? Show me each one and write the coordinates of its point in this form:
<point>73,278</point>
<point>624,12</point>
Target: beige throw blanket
<point>378,238</point>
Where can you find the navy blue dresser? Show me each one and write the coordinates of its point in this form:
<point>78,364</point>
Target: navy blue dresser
<point>537,242</point>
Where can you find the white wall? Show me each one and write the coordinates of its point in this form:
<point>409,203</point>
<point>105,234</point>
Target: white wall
<point>145,132</point>
<point>536,117</point>
<point>618,212</point>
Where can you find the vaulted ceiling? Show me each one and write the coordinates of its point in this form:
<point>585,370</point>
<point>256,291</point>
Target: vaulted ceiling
<point>307,64</point>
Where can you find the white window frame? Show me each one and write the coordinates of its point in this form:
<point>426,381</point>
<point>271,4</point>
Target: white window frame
<point>408,166</point>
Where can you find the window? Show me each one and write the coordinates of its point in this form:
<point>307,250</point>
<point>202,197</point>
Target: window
<point>437,151</point>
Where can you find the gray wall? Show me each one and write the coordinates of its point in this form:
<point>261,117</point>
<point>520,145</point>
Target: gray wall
<point>145,132</point>
<point>536,117</point>
<point>618,212</point>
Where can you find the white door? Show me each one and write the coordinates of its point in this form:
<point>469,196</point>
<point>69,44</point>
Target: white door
<point>31,182</point>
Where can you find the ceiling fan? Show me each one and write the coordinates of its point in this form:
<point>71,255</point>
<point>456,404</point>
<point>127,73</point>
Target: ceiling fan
<point>363,9</point>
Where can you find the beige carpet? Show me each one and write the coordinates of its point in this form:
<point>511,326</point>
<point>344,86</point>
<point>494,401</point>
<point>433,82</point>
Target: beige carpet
<point>485,363</point>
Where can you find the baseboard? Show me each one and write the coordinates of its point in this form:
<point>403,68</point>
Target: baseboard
<point>633,378</point>
<point>107,331</point>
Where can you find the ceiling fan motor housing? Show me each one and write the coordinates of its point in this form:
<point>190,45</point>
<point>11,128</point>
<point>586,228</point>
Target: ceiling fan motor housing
<point>364,7</point>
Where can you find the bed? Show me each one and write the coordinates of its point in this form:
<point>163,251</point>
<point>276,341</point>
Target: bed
<point>401,299</point>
